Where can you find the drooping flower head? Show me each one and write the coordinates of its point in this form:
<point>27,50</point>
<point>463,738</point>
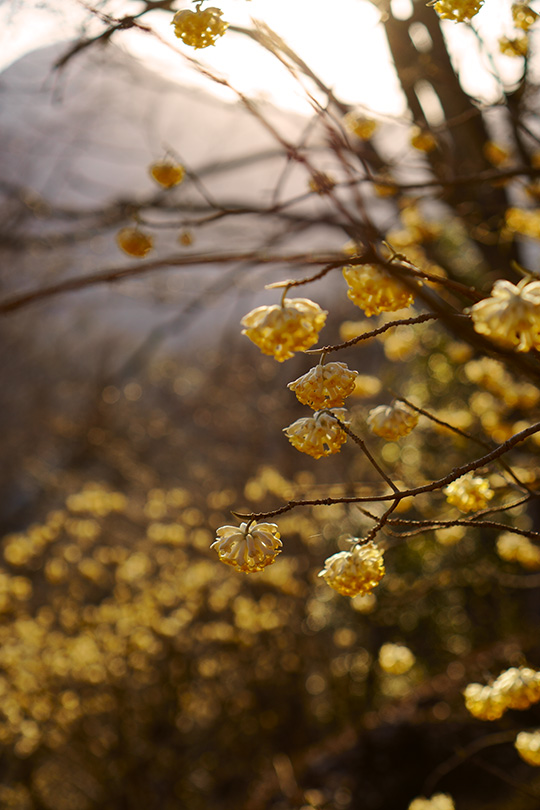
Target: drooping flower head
<point>511,314</point>
<point>515,688</point>
<point>391,422</point>
<point>516,548</point>
<point>199,28</point>
<point>324,386</point>
<point>249,547</point>
<point>354,572</point>
<point>318,435</point>
<point>374,290</point>
<point>469,493</point>
<point>167,174</point>
<point>282,330</point>
<point>528,746</point>
<point>134,242</point>
<point>439,801</point>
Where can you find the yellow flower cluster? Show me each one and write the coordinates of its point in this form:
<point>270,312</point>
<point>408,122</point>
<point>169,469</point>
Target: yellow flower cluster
<point>469,493</point>
<point>358,125</point>
<point>134,242</point>
<point>374,290</point>
<point>519,220</point>
<point>439,801</point>
<point>167,174</point>
<point>324,386</point>
<point>495,153</point>
<point>283,330</point>
<point>422,140</point>
<point>511,314</point>
<point>518,46</point>
<point>249,547</point>
<point>492,375</point>
<point>392,421</point>
<point>354,572</point>
<point>396,659</point>
<point>515,688</point>
<point>523,16</point>
<point>416,229</point>
<point>458,10</point>
<point>318,435</point>
<point>516,548</point>
<point>199,28</point>
<point>97,500</point>
<point>528,746</point>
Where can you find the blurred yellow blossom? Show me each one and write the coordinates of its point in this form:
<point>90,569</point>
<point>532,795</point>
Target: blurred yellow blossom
<point>282,330</point>
<point>469,493</point>
<point>324,386</point>
<point>516,548</point>
<point>439,801</point>
<point>421,139</point>
<point>523,16</point>
<point>134,242</point>
<point>357,124</point>
<point>249,547</point>
<point>167,174</point>
<point>518,46</point>
<point>396,659</point>
<point>392,421</point>
<point>515,688</point>
<point>354,572</point>
<point>528,746</point>
<point>375,290</point>
<point>457,10</point>
<point>320,434</point>
<point>199,28</point>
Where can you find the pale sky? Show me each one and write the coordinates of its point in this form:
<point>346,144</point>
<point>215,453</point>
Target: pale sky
<point>347,49</point>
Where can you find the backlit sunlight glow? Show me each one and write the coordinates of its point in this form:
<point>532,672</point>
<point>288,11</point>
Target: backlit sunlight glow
<point>353,60</point>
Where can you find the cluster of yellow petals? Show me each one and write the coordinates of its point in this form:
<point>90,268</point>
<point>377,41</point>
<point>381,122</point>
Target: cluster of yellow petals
<point>283,330</point>
<point>518,46</point>
<point>519,220</point>
<point>523,16</point>
<point>391,422</point>
<point>134,242</point>
<point>528,746</point>
<point>511,314</point>
<point>422,140</point>
<point>496,154</point>
<point>249,547</point>
<point>199,28</point>
<point>324,386</point>
<point>515,688</point>
<point>396,659</point>
<point>439,801</point>
<point>469,493</point>
<point>319,435</point>
<point>167,174</point>
<point>359,125</point>
<point>355,572</point>
<point>516,548</point>
<point>458,10</point>
<point>374,290</point>
<point>416,229</point>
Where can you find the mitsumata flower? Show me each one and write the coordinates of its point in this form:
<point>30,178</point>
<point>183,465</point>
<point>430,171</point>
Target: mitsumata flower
<point>167,174</point>
<point>516,548</point>
<point>374,290</point>
<point>324,386</point>
<point>283,330</point>
<point>511,314</point>
<point>355,572</point>
<point>395,659</point>
<point>523,16</point>
<point>528,746</point>
<point>318,435</point>
<point>469,493</point>
<point>199,28</point>
<point>134,242</point>
<point>249,547</point>
<point>392,421</point>
<point>458,10</point>
<point>515,688</point>
<point>358,125</point>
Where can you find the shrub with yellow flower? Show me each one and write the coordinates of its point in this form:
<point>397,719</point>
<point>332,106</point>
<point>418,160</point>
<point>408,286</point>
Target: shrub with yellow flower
<point>324,386</point>
<point>283,329</point>
<point>249,547</point>
<point>511,315</point>
<point>391,422</point>
<point>469,493</point>
<point>375,290</point>
<point>354,572</point>
<point>319,435</point>
<point>199,28</point>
